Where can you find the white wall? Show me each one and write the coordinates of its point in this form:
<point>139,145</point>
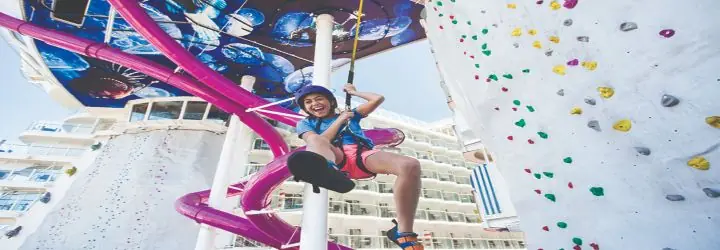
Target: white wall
<point>641,66</point>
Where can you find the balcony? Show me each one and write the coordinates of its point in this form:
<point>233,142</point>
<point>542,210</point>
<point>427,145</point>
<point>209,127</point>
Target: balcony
<point>32,177</point>
<point>59,132</point>
<point>175,112</point>
<point>14,203</point>
<point>32,152</point>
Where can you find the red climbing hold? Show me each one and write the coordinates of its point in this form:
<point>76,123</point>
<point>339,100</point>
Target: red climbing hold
<point>576,247</point>
<point>514,109</point>
<point>531,141</point>
<point>511,138</point>
<point>452,17</point>
<point>462,40</point>
<point>570,185</point>
<point>539,2</point>
<point>465,53</point>
<point>546,228</point>
<point>472,57</point>
<point>504,89</point>
<point>477,77</point>
<point>435,8</point>
<point>573,62</point>
<point>570,4</point>
<point>527,170</point>
<point>595,246</point>
<point>441,27</point>
<point>667,33</point>
<point>538,191</point>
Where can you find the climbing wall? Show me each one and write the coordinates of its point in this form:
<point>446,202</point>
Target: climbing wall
<point>125,200</point>
<point>603,116</point>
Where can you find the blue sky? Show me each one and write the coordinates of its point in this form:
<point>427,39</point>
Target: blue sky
<point>406,76</point>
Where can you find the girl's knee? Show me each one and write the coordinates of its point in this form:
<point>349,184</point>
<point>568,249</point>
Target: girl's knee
<point>410,167</point>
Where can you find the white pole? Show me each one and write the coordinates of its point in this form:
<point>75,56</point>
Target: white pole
<point>231,165</point>
<point>315,206</point>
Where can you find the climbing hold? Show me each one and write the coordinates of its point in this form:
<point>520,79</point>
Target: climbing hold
<point>487,52</point>
<point>526,70</point>
<point>477,77</point>
<point>516,102</point>
<point>568,160</point>
<point>562,224</point>
<point>554,5</point>
<point>699,162</point>
<point>484,31</point>
<point>589,65</point>
<point>577,241</point>
<point>669,101</point>
<point>628,26</point>
<point>539,2</point>
<point>511,6</point>
<point>594,124</point>
<point>713,121</point>
<point>554,39</point>
<point>537,176</point>
<point>576,111</point>
<point>643,150</point>
<point>584,39</point>
<point>477,65</point>
<point>454,22</point>
<point>510,137</point>
<point>590,101</point>
<point>570,185</point>
<point>484,46</point>
<point>550,197</point>
<point>667,33</point>
<point>559,69</point>
<point>469,22</point>
<point>623,125</point>
<point>516,45</point>
<point>530,141</point>
<point>548,174</point>
<point>542,135</point>
<point>573,62</point>
<point>674,197</point>
<point>538,191</point>
<point>493,77</point>
<point>597,191</point>
<point>549,52</point>
<point>474,37</point>
<point>532,32</point>
<point>530,109</point>
<point>439,3</point>
<point>508,76</point>
<point>537,44</point>
<point>546,228</point>
<point>568,22</point>
<point>712,193</point>
<point>561,92</point>
<point>570,4</point>
<point>514,109</point>
<point>606,92</point>
<point>595,246</point>
<point>496,108</point>
<point>517,32</point>
<point>527,170</point>
<point>504,89</point>
<point>520,123</point>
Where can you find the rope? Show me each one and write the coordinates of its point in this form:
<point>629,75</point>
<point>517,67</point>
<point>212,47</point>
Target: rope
<point>351,74</point>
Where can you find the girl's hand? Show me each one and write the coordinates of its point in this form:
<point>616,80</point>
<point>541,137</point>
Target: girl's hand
<point>350,89</point>
<point>346,116</point>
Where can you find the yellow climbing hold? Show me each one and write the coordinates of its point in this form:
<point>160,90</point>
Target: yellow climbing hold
<point>555,39</point>
<point>576,111</point>
<point>517,32</point>
<point>532,32</point>
<point>699,163</point>
<point>606,92</point>
<point>537,44</point>
<point>623,125</point>
<point>559,69</point>
<point>511,6</point>
<point>555,5</point>
<point>590,65</point>
<point>713,121</point>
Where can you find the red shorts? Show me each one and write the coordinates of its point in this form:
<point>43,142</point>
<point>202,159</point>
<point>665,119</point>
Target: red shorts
<point>351,166</point>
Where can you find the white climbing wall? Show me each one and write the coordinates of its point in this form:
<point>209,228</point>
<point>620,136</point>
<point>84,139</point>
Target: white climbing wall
<point>568,96</point>
<point>125,199</point>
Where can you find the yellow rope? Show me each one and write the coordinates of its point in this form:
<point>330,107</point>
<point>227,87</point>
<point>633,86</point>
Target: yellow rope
<point>351,74</point>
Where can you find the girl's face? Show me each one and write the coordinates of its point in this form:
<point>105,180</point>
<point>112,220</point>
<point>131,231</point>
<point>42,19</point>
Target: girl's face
<point>317,105</point>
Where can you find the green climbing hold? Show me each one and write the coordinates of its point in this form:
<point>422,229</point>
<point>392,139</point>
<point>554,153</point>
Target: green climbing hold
<point>484,31</point>
<point>562,224</point>
<point>508,76</point>
<point>526,71</point>
<point>454,21</point>
<point>463,36</point>
<point>441,15</point>
<point>452,1</point>
<point>520,123</point>
<point>439,3</point>
<point>577,241</point>
<point>597,191</point>
<point>493,77</point>
<point>487,52</point>
<point>530,108</point>
<point>477,65</point>
<point>550,197</point>
<point>516,102</point>
<point>475,37</point>
<point>469,23</point>
<point>548,174</point>
<point>484,46</point>
<point>567,160</point>
<point>537,176</point>
<point>543,135</point>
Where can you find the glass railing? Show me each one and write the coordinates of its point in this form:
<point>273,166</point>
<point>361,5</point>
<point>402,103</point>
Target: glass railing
<point>385,188</point>
<point>442,159</point>
<point>471,165</point>
<point>467,198</point>
<point>427,174</point>
<point>40,150</point>
<point>456,217</point>
<point>381,242</point>
<point>408,152</point>
<point>423,156</point>
<point>462,180</point>
<point>451,196</point>
<point>33,174</point>
<point>57,127</point>
<point>432,194</point>
<point>18,201</point>
<point>446,177</point>
<point>367,186</point>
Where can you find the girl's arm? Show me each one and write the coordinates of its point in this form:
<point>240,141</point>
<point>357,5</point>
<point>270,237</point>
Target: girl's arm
<point>373,100</point>
<point>332,131</point>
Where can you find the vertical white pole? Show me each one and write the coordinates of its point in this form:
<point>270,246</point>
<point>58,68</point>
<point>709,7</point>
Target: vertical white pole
<point>315,206</point>
<point>231,165</point>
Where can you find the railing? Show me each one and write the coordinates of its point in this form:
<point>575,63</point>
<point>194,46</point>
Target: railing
<point>442,159</point>
<point>34,174</point>
<point>423,156</point>
<point>382,242</point>
<point>462,180</point>
<point>385,188</point>
<point>446,177</point>
<point>432,194</point>
<point>467,198</point>
<point>57,127</point>
<point>451,196</point>
<point>471,165</point>
<point>18,201</point>
<point>40,150</point>
<point>367,186</point>
<point>427,174</point>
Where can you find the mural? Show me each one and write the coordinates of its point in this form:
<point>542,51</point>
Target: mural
<point>270,39</point>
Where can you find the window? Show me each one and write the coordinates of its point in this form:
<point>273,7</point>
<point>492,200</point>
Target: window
<point>165,110</point>
<point>218,115</point>
<point>70,11</point>
<point>17,201</point>
<point>137,112</point>
<point>195,110</point>
<point>261,144</point>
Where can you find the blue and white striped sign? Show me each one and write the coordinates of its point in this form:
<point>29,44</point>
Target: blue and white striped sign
<point>482,184</point>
